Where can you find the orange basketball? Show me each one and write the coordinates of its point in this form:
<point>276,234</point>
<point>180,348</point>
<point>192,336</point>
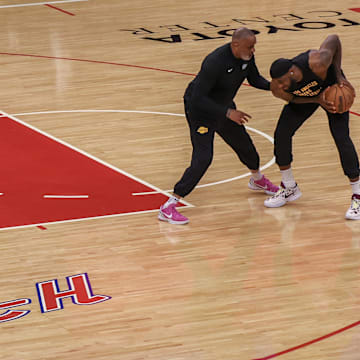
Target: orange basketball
<point>343,97</point>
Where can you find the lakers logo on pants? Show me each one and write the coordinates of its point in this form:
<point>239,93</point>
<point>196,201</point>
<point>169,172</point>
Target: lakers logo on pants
<point>202,130</point>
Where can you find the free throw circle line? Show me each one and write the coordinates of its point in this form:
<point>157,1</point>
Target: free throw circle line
<point>66,196</point>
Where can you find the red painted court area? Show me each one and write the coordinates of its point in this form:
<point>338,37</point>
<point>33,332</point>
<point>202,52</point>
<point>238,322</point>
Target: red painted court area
<point>34,165</point>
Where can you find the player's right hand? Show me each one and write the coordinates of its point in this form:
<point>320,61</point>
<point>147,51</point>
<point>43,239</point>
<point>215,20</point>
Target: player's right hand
<point>238,116</point>
<point>278,92</point>
<point>326,104</point>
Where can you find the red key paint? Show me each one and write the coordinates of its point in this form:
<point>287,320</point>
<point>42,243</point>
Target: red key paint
<point>36,164</point>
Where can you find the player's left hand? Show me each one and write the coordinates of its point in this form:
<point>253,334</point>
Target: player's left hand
<point>344,82</point>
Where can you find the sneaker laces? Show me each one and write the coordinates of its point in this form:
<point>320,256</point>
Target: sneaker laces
<point>270,185</point>
<point>355,204</point>
<point>167,207</point>
<point>279,192</point>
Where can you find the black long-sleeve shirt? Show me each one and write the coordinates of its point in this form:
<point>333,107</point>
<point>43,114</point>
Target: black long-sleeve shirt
<point>211,93</point>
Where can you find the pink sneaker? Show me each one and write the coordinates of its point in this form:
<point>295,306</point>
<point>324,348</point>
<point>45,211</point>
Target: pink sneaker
<point>171,215</point>
<point>263,184</point>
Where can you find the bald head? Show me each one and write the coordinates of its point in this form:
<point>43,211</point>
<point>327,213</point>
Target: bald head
<point>243,43</point>
<point>242,33</point>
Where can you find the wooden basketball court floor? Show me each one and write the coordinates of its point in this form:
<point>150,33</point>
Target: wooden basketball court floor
<point>91,115</point>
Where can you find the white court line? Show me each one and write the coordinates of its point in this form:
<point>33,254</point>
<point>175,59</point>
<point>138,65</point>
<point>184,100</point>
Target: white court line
<point>268,164</point>
<point>99,111</point>
<point>81,219</point>
<point>66,196</point>
<point>41,3</point>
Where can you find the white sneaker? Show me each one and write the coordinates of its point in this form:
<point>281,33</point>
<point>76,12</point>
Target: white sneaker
<point>353,212</point>
<point>283,196</point>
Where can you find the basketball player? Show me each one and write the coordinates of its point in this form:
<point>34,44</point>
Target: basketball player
<point>302,81</point>
<point>209,108</point>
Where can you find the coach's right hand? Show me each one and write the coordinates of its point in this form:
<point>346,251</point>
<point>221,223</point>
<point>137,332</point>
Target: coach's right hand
<point>238,116</point>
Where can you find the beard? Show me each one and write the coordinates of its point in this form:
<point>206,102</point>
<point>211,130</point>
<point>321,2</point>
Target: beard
<point>246,57</point>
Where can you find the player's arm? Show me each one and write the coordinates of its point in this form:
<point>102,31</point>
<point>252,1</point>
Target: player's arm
<point>281,94</point>
<point>329,53</point>
<point>278,92</point>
